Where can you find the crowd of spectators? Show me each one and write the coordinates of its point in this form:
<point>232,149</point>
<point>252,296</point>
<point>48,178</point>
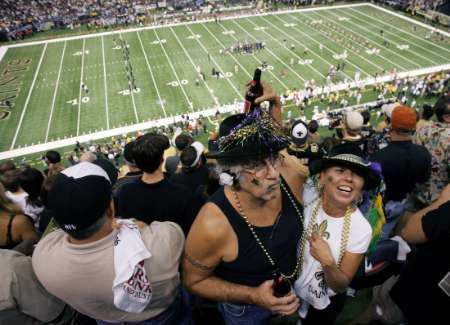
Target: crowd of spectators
<point>165,179</point>
<point>20,18</point>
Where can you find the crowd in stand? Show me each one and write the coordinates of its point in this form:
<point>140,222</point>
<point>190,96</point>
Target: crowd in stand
<point>16,15</point>
<point>271,219</point>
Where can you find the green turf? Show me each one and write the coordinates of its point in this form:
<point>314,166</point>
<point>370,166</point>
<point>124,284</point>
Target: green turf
<point>165,60</point>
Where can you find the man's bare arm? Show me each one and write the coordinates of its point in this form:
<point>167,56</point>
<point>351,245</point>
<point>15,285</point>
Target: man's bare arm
<point>205,249</point>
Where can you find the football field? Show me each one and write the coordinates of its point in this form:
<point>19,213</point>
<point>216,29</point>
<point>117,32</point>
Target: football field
<point>75,86</point>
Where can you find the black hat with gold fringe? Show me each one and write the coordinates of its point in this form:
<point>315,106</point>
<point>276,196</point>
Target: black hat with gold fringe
<point>252,136</point>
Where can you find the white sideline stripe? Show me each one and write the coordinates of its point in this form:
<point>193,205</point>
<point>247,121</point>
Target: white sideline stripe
<point>209,112</point>
<point>81,82</point>
<point>287,48</point>
<point>417,23</point>
<point>28,97</point>
<point>268,50</point>
<point>215,62</point>
<point>181,24</point>
<point>412,51</point>
<point>105,83</point>
<point>195,67</point>
<point>3,50</point>
<point>370,40</point>
<point>131,89</point>
<point>151,74</point>
<point>223,46</point>
<point>188,100</point>
<point>54,93</point>
<point>350,62</point>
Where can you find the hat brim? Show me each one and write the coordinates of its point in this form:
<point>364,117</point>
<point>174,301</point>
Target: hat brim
<point>246,151</point>
<point>371,177</point>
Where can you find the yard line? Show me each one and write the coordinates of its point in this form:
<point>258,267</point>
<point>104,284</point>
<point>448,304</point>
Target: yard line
<point>377,35</point>
<point>211,92</point>
<point>273,54</point>
<point>28,97</point>
<point>223,46</point>
<point>190,105</point>
<point>81,82</point>
<point>287,48</point>
<point>254,56</point>
<point>357,31</point>
<point>218,66</point>
<point>54,93</point>
<point>106,89</point>
<point>130,87</point>
<point>406,32</point>
<point>362,57</point>
<point>161,102</point>
<point>295,40</point>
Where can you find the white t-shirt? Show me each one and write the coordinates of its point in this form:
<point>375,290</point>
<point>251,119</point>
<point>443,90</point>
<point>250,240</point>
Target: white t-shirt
<point>311,286</point>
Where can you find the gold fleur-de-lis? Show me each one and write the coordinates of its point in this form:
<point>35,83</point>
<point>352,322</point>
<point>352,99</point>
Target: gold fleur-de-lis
<point>321,229</point>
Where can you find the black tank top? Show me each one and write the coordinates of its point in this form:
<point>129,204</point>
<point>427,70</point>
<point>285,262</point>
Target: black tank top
<point>10,244</point>
<point>251,266</point>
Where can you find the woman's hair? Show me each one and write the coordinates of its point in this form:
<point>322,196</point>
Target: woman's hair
<point>31,180</point>
<point>6,204</point>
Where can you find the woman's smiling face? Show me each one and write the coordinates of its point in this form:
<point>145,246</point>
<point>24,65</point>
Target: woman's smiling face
<point>342,186</point>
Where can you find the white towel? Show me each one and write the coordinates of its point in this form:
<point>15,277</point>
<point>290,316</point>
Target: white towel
<point>403,248</point>
<point>131,287</point>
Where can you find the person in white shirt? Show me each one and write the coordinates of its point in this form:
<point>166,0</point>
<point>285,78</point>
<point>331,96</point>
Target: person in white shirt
<point>336,234</point>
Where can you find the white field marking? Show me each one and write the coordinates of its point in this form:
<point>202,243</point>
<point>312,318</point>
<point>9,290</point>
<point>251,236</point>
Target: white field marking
<point>81,82</point>
<point>188,101</point>
<point>417,23</point>
<point>293,25</point>
<point>253,55</point>
<point>161,102</point>
<point>131,93</point>
<point>273,54</point>
<point>288,48</point>
<point>217,65</point>
<point>223,46</point>
<point>130,30</point>
<point>325,47</point>
<point>330,50</point>
<point>105,84</point>
<point>3,50</point>
<point>209,112</point>
<point>397,36</point>
<point>195,67</point>
<point>380,55</point>
<point>25,106</point>
<point>54,93</point>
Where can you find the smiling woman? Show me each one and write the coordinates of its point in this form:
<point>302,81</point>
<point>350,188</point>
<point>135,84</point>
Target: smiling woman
<point>336,236</point>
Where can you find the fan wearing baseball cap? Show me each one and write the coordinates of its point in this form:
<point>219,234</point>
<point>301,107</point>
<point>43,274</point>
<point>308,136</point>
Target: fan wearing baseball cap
<point>404,164</point>
<point>78,263</point>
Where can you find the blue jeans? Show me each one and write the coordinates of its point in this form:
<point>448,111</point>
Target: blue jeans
<point>179,312</point>
<point>242,314</point>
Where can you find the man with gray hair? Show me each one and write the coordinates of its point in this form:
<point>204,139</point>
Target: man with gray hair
<point>252,225</point>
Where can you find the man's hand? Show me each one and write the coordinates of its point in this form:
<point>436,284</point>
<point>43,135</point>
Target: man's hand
<point>263,296</point>
<point>320,250</point>
<point>268,94</point>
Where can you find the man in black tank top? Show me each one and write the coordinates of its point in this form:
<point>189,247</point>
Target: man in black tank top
<point>248,232</point>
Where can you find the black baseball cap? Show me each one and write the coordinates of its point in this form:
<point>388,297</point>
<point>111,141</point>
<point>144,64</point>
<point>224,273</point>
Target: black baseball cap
<point>80,196</point>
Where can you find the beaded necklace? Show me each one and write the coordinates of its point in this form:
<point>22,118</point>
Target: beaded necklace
<point>258,240</point>
<point>344,235</point>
